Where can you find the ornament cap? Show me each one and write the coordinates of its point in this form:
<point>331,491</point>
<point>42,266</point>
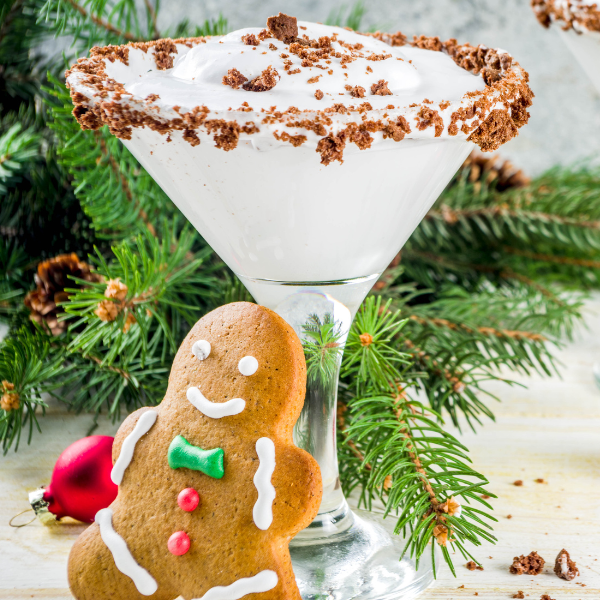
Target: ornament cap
<point>40,506</point>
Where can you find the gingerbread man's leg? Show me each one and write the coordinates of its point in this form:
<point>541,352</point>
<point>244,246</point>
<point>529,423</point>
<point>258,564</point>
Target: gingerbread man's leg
<point>93,574</point>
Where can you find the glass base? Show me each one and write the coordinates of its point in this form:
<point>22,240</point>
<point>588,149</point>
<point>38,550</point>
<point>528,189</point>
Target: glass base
<point>362,561</point>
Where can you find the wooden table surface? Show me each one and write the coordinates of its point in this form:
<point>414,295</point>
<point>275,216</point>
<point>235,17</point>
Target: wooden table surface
<point>550,430</point>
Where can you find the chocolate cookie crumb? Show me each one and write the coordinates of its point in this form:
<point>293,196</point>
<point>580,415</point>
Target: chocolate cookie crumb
<point>497,129</point>
<point>272,46</point>
<point>189,135</point>
<point>163,50</point>
<point>519,595</point>
<point>546,597</point>
<point>267,80</point>
<point>540,480</point>
<point>473,566</point>
<point>319,95</point>
<point>294,140</point>
<point>509,516</point>
<point>533,564</point>
<point>234,78</point>
<point>250,40</point>
<point>564,567</point>
<point>313,79</point>
<point>331,148</point>
<point>283,27</point>
<point>485,496</point>
<point>518,482</point>
<point>380,88</point>
<point>357,91</point>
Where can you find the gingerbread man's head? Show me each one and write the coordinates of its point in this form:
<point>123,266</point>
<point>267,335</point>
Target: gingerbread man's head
<point>245,362</point>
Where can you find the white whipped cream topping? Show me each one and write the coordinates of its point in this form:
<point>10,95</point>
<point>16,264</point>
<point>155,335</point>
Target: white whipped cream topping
<point>196,79</point>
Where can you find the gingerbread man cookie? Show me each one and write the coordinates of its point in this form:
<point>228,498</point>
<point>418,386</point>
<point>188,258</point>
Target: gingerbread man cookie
<point>211,486</point>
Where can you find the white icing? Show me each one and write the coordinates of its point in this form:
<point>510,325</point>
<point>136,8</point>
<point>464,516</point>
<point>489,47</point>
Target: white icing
<point>142,427</point>
<point>262,513</point>
<point>215,410</point>
<point>201,349</point>
<point>248,365</point>
<point>124,561</point>
<point>262,582</point>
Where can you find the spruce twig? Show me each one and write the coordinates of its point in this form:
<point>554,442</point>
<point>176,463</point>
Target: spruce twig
<point>126,35</point>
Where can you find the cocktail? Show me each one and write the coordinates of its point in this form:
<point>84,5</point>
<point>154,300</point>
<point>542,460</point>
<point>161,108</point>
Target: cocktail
<point>578,22</point>
<point>306,155</point>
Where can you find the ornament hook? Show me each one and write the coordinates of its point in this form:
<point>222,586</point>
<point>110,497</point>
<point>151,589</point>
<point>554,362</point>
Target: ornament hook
<point>18,515</point>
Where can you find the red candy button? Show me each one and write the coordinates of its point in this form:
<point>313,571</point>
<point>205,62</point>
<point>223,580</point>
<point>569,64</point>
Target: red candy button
<point>188,499</point>
<point>179,543</point>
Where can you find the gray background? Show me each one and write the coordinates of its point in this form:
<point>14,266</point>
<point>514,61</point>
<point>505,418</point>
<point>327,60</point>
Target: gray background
<point>565,117</point>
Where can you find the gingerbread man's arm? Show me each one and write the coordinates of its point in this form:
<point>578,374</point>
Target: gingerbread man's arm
<point>127,427</point>
<point>297,479</point>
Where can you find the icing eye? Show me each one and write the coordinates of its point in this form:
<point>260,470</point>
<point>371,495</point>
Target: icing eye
<point>248,365</point>
<point>201,349</point>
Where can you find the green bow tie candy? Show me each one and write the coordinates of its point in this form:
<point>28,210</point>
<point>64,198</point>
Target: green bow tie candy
<point>182,454</point>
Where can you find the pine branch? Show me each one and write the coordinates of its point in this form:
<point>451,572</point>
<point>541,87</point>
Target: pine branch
<point>322,347</point>
<point>92,22</point>
<point>126,35</point>
<point>499,333</point>
<point>21,68</point>
<point>370,356</point>
<point>149,295</point>
<point>17,148</point>
<point>352,18</point>
<point>392,450</point>
<point>152,15</point>
<point>123,181</point>
<point>115,192</point>
<point>560,260</point>
<point>452,216</point>
<point>28,369</point>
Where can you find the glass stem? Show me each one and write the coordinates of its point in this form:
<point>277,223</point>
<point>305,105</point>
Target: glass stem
<point>308,306</point>
<point>315,432</point>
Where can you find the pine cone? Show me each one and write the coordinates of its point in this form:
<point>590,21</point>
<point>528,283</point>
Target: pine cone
<point>52,279</point>
<point>485,170</point>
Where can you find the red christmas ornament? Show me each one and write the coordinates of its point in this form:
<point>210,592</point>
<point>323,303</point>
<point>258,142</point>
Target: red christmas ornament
<point>80,484</point>
<point>179,543</point>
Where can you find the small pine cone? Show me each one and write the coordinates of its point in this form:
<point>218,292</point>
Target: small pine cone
<point>52,278</point>
<point>486,170</point>
<point>115,289</point>
<point>451,507</point>
<point>440,532</point>
<point>366,339</point>
<point>10,399</point>
<point>10,402</point>
<point>107,310</point>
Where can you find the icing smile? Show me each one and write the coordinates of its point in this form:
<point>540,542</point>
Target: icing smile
<point>215,410</point>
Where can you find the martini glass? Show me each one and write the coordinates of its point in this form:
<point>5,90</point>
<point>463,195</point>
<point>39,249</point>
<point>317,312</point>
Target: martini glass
<point>311,240</point>
<point>586,48</point>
